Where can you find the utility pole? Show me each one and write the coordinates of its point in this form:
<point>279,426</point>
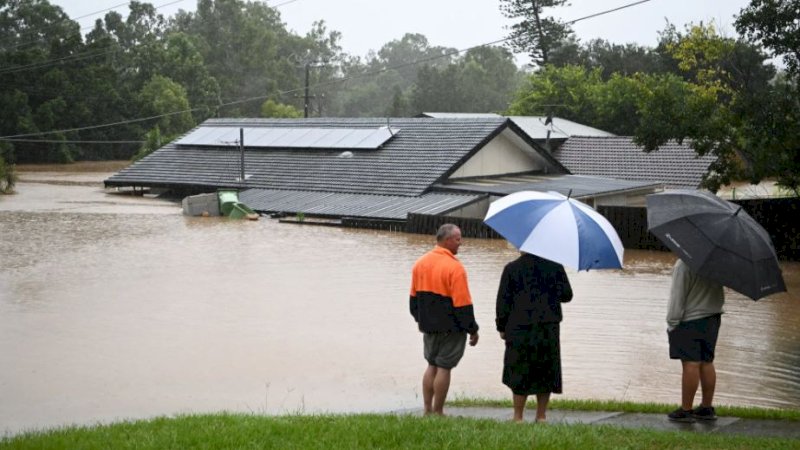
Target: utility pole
<point>306,98</point>
<point>307,63</point>
<point>241,152</point>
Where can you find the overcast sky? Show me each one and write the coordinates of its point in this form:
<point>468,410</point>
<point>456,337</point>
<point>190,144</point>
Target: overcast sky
<point>368,24</point>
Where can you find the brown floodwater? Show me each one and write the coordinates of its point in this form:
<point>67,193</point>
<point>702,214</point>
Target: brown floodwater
<point>116,307</point>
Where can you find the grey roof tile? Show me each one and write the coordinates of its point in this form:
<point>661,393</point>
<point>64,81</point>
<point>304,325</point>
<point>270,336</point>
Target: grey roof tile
<point>408,164</point>
<point>675,165</point>
<point>352,205</point>
<point>578,186</point>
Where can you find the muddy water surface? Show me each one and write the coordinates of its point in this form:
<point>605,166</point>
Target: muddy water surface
<point>115,307</point>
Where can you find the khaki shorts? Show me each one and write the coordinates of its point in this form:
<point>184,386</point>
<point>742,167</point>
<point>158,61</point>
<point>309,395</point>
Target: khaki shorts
<point>444,349</point>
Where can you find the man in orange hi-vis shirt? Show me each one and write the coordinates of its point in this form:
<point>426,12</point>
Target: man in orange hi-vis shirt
<point>442,306</point>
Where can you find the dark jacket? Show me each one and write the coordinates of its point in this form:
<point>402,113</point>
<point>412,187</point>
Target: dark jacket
<point>531,291</point>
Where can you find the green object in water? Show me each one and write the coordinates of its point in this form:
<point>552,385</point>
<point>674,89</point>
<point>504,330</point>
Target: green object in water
<point>242,211</point>
<point>227,198</point>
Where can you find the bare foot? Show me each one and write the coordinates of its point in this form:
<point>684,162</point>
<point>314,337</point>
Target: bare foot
<point>541,420</point>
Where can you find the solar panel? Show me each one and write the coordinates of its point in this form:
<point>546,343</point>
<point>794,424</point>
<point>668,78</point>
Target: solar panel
<point>290,137</point>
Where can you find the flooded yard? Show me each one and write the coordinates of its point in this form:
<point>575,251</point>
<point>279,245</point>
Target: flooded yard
<point>116,307</point>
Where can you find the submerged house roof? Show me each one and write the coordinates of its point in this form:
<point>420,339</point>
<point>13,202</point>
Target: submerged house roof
<point>417,153</point>
<point>675,165</point>
<point>364,167</point>
<point>536,127</point>
<point>336,204</point>
<point>576,186</point>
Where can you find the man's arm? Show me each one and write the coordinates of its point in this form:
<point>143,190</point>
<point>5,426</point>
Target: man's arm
<point>462,303</point>
<point>677,296</point>
<point>412,298</point>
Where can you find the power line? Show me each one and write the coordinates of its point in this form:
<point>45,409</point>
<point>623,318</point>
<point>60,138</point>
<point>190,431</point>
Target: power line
<point>601,13</point>
<point>106,125</point>
<point>321,84</point>
<point>76,57</point>
<point>56,141</point>
<point>52,62</point>
<point>76,19</point>
<point>281,4</point>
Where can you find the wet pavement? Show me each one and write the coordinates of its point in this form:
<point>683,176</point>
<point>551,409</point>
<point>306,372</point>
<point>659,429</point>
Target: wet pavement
<point>723,425</point>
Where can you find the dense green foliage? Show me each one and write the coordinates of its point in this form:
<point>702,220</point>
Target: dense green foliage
<point>137,81</point>
<point>229,431</point>
<point>719,94</point>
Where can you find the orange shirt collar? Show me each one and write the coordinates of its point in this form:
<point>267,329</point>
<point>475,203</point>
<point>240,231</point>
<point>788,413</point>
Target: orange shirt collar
<point>444,251</point>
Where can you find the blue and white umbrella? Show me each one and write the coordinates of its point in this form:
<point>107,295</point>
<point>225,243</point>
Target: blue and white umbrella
<point>558,228</point>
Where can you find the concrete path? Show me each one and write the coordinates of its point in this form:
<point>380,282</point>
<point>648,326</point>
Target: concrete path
<point>723,425</point>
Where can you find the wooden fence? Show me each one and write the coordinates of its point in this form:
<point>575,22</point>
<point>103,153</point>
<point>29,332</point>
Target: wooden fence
<point>777,216</point>
<point>631,225</point>
<point>375,224</point>
<point>472,228</point>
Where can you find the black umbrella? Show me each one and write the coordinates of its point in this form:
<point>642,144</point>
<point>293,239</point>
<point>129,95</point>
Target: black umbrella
<point>717,240</point>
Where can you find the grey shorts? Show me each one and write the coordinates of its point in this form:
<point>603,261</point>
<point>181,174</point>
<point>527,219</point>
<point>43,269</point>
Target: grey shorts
<point>444,349</point>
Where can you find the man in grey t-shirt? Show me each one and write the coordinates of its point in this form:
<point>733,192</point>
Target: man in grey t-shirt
<point>693,321</point>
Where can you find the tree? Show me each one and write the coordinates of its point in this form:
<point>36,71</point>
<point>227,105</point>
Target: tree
<point>400,106</point>
<point>653,108</point>
<point>770,137</point>
<point>322,61</point>
<point>488,78</point>
<point>483,80</point>
<point>536,34</point>
<point>567,92</point>
<point>184,64</point>
<point>437,90</point>
<point>152,142</point>
<point>166,98</point>
<point>776,25</point>
<point>271,108</point>
<point>246,49</point>
<point>371,89</point>
<point>736,125</point>
<point>610,58</point>
<point>34,35</point>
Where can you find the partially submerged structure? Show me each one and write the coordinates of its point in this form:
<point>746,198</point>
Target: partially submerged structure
<point>676,165</point>
<point>585,150</point>
<point>371,167</point>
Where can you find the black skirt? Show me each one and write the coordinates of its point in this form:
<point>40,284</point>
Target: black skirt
<point>532,363</point>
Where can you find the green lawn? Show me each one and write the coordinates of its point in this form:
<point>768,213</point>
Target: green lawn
<point>243,431</point>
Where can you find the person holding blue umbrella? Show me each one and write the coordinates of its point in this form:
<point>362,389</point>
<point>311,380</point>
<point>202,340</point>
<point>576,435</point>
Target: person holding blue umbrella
<point>529,300</point>
<point>551,230</point>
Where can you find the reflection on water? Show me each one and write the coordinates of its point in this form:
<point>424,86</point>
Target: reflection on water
<point>117,307</point>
